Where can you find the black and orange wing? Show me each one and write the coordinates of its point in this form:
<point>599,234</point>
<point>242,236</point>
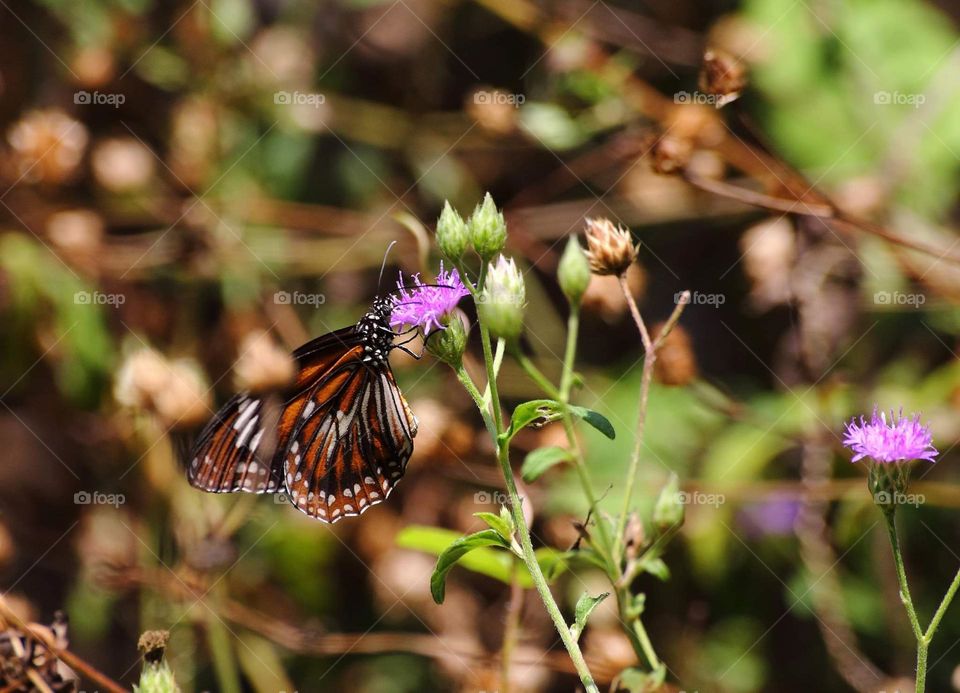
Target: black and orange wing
<point>241,448</point>
<point>237,449</point>
<point>351,440</point>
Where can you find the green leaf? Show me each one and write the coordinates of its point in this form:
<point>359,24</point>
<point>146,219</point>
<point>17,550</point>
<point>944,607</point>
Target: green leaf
<point>595,419</point>
<point>500,524</point>
<point>536,412</point>
<point>540,460</point>
<point>635,680</point>
<point>657,568</point>
<point>585,606</point>
<point>457,550</point>
<point>489,561</point>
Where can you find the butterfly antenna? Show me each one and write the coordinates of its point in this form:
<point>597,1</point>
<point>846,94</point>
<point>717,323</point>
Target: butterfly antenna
<point>383,265</point>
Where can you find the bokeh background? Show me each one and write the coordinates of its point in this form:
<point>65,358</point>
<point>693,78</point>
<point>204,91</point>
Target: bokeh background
<point>168,167</point>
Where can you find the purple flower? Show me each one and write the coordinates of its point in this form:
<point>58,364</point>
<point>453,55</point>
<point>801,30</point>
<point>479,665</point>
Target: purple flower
<point>422,305</point>
<point>901,439</point>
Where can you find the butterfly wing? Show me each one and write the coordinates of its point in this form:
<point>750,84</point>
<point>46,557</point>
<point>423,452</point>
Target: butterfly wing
<point>351,442</point>
<point>241,448</point>
<point>236,450</point>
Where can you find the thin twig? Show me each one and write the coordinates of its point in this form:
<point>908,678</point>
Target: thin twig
<point>66,656</point>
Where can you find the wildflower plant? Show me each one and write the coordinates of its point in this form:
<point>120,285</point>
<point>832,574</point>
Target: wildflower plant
<point>618,545</point>
<point>890,447</point>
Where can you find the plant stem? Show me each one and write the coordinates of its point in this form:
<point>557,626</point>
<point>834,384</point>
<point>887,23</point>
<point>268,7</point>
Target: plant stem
<point>645,643</point>
<point>529,557</point>
<point>650,356</point>
<point>511,630</point>
<point>902,576</point>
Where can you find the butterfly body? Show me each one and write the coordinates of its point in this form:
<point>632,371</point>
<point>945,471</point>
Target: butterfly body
<point>336,442</point>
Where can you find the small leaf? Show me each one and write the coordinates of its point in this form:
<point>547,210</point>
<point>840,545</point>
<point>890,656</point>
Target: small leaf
<point>454,552</point>
<point>635,680</point>
<point>507,518</point>
<point>657,568</point>
<point>503,527</point>
<point>535,412</point>
<point>595,419</point>
<point>585,606</point>
<point>540,460</point>
<point>490,561</point>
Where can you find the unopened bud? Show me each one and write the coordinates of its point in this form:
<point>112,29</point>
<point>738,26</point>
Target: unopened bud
<point>452,236</point>
<point>488,230</point>
<point>449,343</point>
<point>610,249</point>
<point>573,272</point>
<point>668,512</point>
<point>502,299</point>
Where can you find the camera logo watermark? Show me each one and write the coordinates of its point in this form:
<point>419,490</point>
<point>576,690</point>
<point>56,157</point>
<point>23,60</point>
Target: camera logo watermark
<point>896,98</point>
<point>898,498</point>
<point>98,98</point>
<point>299,98</point>
<point>98,298</point>
<point>700,498</point>
<point>493,498</point>
<point>700,98</point>
<point>698,298</point>
<point>298,298</point>
<point>98,498</point>
<point>899,298</point>
<point>486,97</point>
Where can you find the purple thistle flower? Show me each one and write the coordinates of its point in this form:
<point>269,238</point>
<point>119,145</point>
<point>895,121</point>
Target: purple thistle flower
<point>422,305</point>
<point>902,439</point>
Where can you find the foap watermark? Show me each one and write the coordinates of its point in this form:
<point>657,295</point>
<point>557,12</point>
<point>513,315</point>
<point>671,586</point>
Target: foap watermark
<point>299,98</point>
<point>897,98</point>
<point>98,298</point>
<point>699,97</point>
<point>698,298</point>
<point>898,498</point>
<point>98,98</point>
<point>98,498</point>
<point>298,298</point>
<point>493,498</point>
<point>700,498</point>
<point>485,97</point>
<point>899,298</point>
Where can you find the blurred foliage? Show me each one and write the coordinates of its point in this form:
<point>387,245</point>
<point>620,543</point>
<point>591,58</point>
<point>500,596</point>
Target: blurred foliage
<point>220,195</point>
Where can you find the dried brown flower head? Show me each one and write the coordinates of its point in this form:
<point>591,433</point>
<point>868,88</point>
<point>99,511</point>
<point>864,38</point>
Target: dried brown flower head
<point>610,249</point>
<point>723,76</point>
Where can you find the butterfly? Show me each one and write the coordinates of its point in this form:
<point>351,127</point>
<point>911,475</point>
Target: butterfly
<point>335,443</point>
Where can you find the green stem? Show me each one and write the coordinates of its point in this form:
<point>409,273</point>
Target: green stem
<point>644,639</point>
<point>922,646</point>
<point>902,575</point>
<point>471,388</point>
<point>941,610</point>
<point>529,557</point>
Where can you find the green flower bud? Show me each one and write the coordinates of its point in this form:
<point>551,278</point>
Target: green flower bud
<point>452,235</point>
<point>573,272</point>
<point>488,230</point>
<point>669,511</point>
<point>449,344</point>
<point>502,300</point>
